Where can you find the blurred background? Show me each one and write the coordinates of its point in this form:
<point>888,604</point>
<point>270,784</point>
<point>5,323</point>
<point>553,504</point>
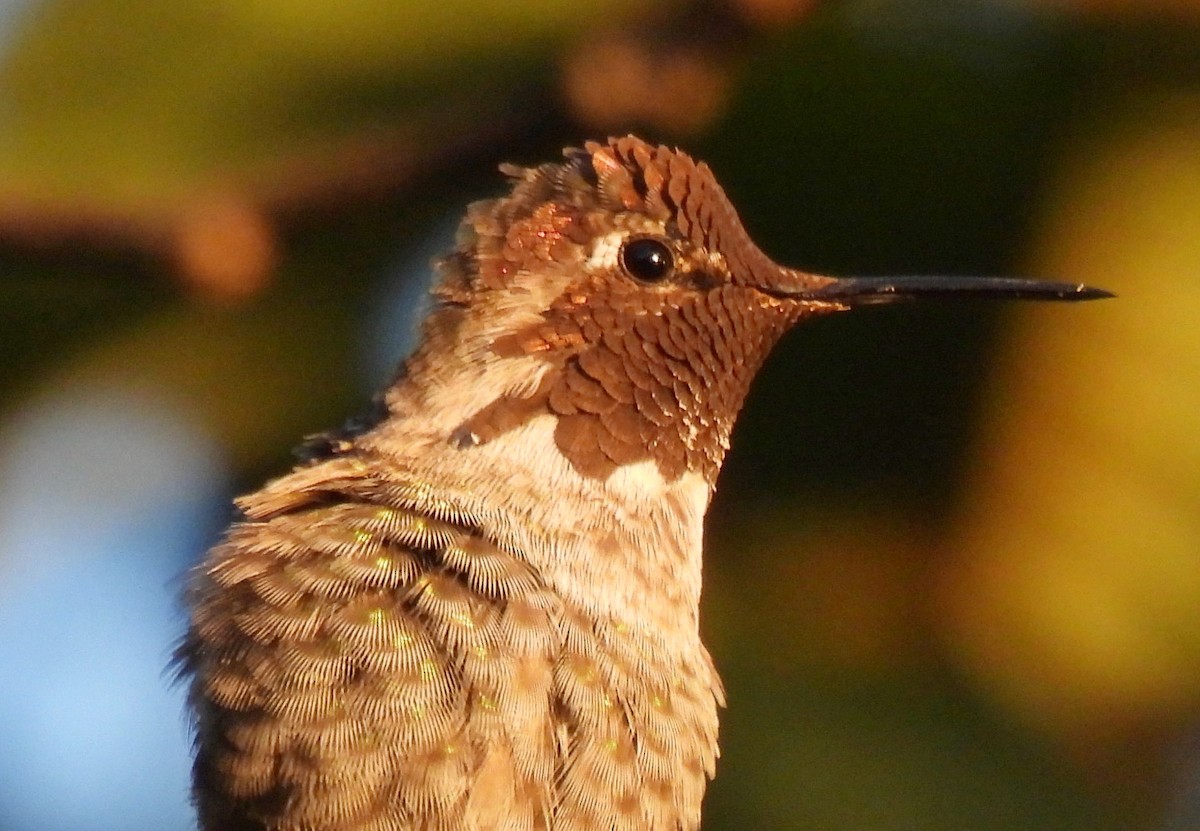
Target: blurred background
<point>953,575</point>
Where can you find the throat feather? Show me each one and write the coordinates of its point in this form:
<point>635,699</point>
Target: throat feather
<point>658,381</point>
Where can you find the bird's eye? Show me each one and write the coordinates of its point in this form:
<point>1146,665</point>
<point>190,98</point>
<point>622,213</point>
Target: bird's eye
<point>647,259</point>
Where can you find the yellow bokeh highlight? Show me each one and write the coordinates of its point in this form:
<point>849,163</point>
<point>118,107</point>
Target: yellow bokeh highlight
<point>1073,591</point>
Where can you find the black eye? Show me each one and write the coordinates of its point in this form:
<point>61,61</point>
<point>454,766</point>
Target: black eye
<point>647,259</point>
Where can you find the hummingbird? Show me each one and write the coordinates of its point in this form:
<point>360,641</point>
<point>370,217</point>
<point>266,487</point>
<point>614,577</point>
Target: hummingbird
<point>479,609</point>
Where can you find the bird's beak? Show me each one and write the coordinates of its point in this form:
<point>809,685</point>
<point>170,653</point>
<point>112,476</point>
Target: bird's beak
<point>859,291</point>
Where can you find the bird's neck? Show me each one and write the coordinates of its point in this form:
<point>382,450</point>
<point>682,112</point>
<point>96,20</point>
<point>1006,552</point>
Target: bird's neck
<point>626,547</point>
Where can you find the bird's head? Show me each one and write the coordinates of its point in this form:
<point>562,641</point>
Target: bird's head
<point>618,292</point>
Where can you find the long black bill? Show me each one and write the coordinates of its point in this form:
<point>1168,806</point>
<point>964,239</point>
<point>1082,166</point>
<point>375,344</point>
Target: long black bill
<point>865,290</point>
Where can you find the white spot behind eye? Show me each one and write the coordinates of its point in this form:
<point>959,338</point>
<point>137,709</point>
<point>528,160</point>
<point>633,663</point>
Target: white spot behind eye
<point>606,253</point>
